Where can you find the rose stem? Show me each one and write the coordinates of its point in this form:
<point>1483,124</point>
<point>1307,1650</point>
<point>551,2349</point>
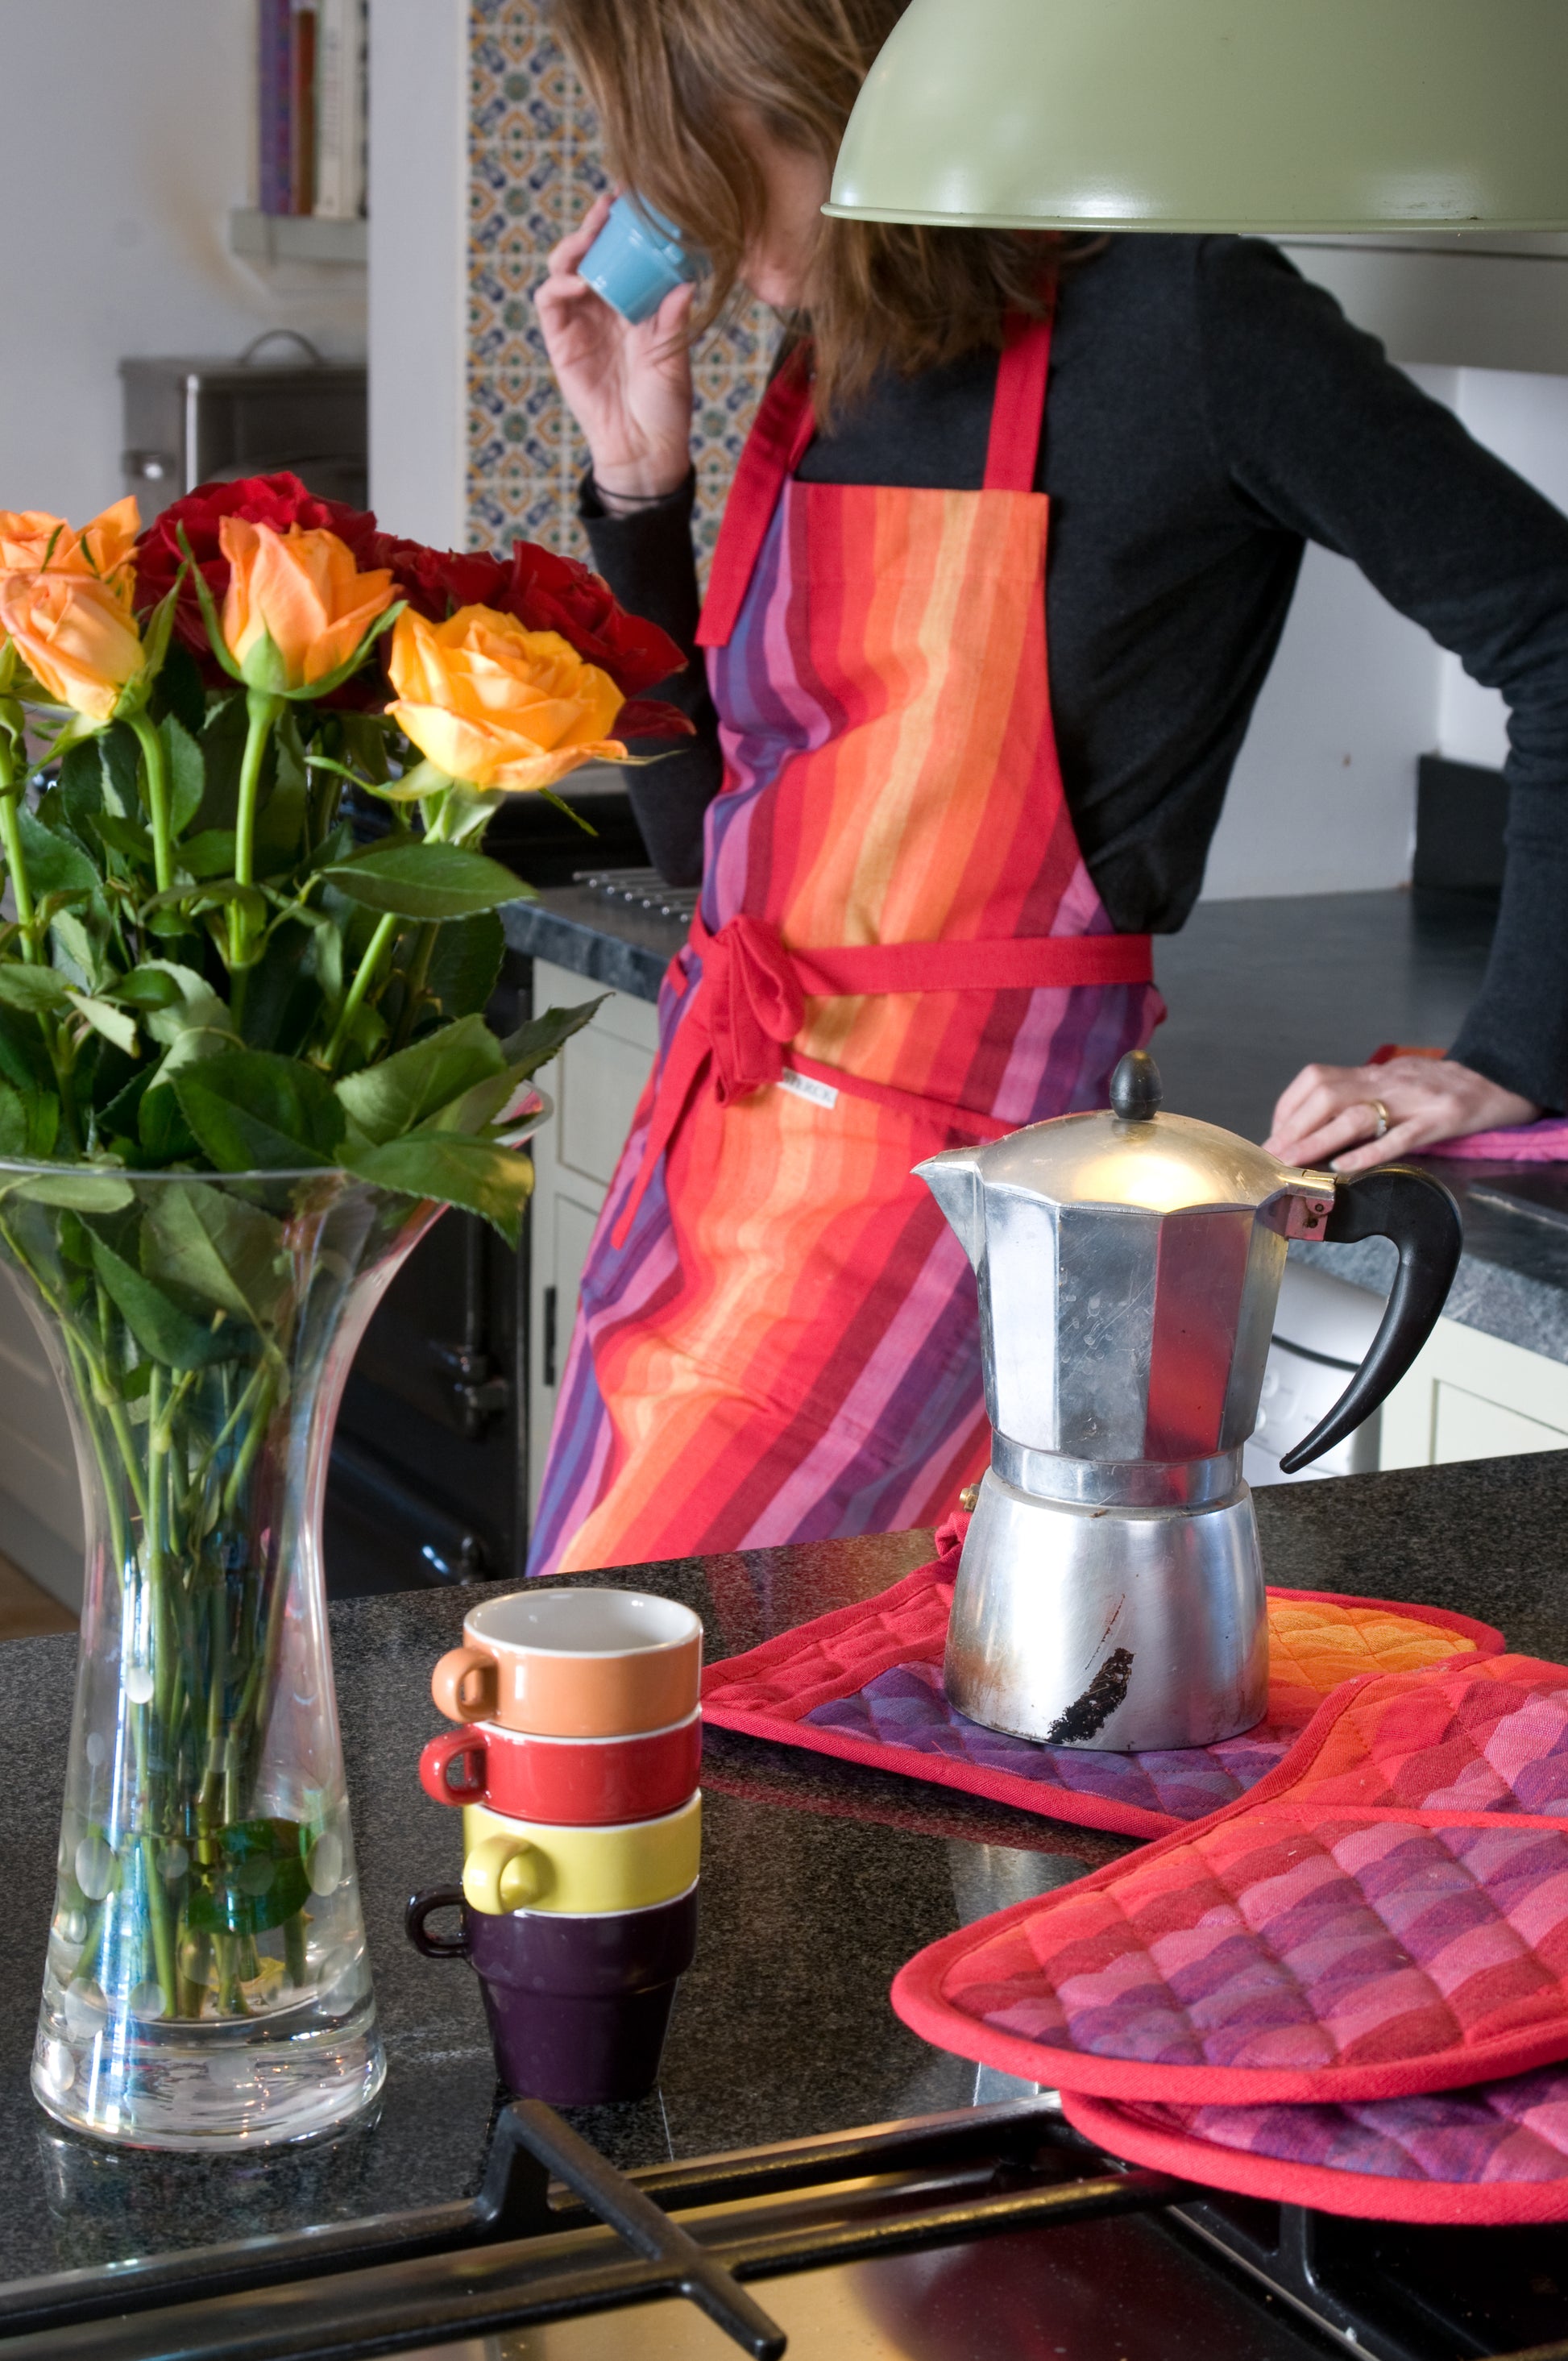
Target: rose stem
<point>262,711</point>
<point>364,976</point>
<point>157,761</point>
<point>16,860</point>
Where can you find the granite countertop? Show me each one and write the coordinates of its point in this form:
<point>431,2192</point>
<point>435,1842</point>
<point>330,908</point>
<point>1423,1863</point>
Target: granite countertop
<point>609,942</point>
<point>819,1878</point>
<point>1256,990</point>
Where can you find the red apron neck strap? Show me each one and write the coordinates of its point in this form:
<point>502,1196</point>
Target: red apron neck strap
<point>785,426</point>
<point>773,449</point>
<point>1018,412</point>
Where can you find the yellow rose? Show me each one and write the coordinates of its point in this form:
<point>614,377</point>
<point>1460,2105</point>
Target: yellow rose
<point>30,540</point>
<point>303,592</point>
<point>501,707</point>
<point>75,636</point>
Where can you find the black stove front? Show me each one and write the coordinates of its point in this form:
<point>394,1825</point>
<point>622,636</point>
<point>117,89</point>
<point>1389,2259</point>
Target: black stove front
<point>990,2234</point>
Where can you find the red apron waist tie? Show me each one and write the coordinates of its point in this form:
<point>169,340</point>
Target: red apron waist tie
<point>750,1001</point>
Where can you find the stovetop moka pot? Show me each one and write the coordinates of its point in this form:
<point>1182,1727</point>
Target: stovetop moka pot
<point>1111,1592</point>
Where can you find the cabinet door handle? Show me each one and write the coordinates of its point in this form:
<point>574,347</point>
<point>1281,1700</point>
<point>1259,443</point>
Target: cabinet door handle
<point>547,1349</point>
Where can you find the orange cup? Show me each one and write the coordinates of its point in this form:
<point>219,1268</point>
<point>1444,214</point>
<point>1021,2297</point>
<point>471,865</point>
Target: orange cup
<point>574,1663</point>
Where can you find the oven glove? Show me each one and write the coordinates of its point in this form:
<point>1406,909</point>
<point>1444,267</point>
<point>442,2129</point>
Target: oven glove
<point>1387,1914</point>
<point>1494,2153</point>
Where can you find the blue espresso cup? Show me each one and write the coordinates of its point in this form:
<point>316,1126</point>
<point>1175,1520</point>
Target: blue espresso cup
<point>636,261</point>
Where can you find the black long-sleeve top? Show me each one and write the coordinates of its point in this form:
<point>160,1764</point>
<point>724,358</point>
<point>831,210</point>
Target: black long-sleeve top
<point>1209,412</point>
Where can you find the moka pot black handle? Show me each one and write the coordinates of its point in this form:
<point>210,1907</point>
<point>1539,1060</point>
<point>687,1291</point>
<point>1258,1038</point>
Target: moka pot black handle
<point>1401,1202</point>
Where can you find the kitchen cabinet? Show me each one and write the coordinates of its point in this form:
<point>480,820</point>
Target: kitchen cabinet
<point>1470,1396</point>
<point>595,1084</point>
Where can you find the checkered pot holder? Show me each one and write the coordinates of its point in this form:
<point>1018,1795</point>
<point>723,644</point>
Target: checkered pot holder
<point>865,1682</point>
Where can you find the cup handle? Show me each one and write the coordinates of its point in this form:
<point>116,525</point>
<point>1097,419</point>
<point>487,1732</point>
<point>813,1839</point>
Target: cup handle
<point>437,1759</point>
<point>424,1905</point>
<point>503,1873</point>
<point>464,1685</point>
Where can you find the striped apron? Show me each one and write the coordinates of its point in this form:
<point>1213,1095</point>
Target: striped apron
<point>898,949</point>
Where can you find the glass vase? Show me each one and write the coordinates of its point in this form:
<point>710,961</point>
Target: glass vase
<point>207,1984</point>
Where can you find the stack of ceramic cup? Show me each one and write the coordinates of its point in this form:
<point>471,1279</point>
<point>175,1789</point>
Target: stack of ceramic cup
<point>575,1765</point>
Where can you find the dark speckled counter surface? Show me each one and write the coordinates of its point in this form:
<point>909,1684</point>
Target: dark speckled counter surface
<point>820,1878</point>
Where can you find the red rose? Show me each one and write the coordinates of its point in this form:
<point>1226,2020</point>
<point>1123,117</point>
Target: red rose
<point>435,582</point>
<point>278,500</point>
<point>546,593</point>
<point>650,716</point>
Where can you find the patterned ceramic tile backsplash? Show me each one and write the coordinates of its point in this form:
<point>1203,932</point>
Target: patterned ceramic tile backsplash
<point>532,167</point>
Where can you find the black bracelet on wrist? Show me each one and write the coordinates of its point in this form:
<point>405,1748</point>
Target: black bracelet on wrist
<point>636,500</point>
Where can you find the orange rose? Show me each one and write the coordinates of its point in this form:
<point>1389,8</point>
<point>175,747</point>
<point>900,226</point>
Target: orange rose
<point>75,636</point>
<point>32,539</point>
<point>298,607</point>
<point>488,701</point>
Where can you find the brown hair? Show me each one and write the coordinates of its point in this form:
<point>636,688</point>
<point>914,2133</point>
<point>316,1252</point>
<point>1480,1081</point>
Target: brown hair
<point>672,81</point>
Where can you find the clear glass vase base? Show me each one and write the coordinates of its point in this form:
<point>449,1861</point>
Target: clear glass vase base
<point>207,2086</point>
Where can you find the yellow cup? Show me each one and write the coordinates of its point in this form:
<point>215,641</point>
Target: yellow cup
<point>537,1865</point>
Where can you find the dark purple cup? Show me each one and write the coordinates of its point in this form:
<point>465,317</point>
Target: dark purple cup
<point>578,2006</point>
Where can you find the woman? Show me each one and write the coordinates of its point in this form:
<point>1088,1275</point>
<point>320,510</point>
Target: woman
<point>931,861</point>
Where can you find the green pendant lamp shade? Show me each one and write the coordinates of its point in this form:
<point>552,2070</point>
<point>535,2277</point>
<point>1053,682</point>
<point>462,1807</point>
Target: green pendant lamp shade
<point>1215,114</point>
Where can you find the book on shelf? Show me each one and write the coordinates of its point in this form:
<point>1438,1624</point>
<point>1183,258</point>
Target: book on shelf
<point>343,44</point>
<point>272,81</point>
<point>303,107</point>
<point>313,76</point>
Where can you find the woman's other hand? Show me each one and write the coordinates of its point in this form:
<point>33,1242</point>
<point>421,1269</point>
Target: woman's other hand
<point>630,388</point>
<point>1330,1115</point>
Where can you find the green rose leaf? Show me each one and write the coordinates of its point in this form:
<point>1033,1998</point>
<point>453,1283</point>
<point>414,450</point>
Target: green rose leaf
<point>254,1111</point>
<point>125,836</point>
<point>259,1879</point>
<point>387,1100</point>
<point>214,1248</point>
<point>55,865</point>
<point>77,955</point>
<point>465,963</point>
<point>121,760</point>
<point>193,1025</point>
<point>30,1123</point>
<point>113,1023</point>
<point>415,879</point>
<point>187,772</point>
<point>543,1037</point>
<point>81,788</point>
<point>32,987</point>
<point>84,1193</point>
<point>154,984</point>
<point>455,1171</point>
<point>158,1325</point>
<point>210,854</point>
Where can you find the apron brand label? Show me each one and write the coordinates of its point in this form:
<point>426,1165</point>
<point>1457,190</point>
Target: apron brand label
<point>821,1094</point>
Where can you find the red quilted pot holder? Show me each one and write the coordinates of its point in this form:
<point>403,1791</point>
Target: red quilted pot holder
<point>866,1683</point>
<point>1494,2153</point>
<point>1387,1914</point>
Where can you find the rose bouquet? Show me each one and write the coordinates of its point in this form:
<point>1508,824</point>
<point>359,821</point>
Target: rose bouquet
<point>244,1061</point>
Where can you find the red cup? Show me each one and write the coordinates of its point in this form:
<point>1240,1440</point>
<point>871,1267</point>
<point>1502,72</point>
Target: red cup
<point>574,1781</point>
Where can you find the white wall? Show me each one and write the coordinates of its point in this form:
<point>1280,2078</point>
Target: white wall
<point>1324,796</point>
<point>419,213</point>
<point>1525,421</point>
<point>128,136</point>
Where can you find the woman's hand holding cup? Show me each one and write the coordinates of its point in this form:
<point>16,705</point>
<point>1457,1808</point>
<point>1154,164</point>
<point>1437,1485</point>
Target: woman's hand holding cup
<point>628,387</point>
